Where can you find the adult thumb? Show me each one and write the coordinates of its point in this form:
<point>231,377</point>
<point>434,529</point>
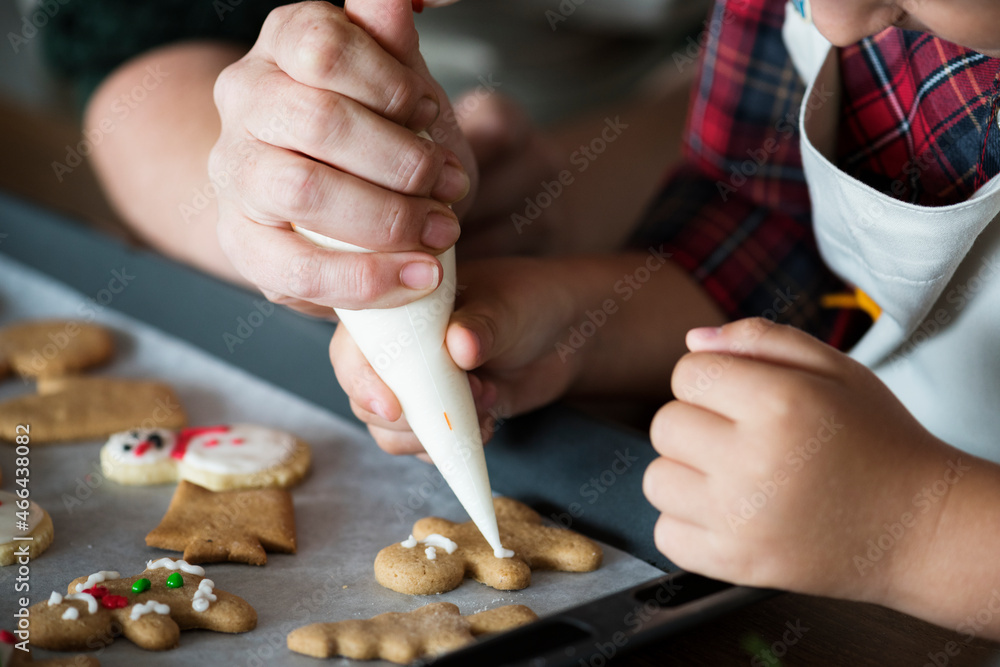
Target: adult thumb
<point>390,23</point>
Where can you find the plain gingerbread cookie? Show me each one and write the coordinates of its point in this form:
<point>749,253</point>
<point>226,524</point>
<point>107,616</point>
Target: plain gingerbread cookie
<point>440,553</point>
<point>403,637</point>
<point>82,408</point>
<point>149,609</point>
<point>52,348</point>
<point>236,526</point>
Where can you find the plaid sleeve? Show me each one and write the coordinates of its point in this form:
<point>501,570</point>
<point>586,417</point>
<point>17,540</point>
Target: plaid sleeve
<point>735,214</point>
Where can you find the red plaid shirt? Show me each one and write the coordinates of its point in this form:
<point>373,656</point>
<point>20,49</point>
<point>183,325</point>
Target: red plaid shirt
<point>919,123</point>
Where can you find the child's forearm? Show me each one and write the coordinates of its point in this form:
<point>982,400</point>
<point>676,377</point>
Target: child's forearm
<point>156,123</point>
<point>632,312</point>
<point>950,573</point>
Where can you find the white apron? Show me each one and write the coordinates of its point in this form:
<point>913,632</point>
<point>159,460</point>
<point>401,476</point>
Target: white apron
<point>935,272</point>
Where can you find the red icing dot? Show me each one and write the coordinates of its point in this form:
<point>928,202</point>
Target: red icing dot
<point>114,601</point>
<point>6,637</point>
<point>211,443</point>
<point>142,448</point>
<point>97,591</point>
<point>237,441</point>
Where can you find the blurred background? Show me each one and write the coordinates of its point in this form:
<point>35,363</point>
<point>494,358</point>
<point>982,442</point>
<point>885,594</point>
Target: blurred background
<point>560,58</point>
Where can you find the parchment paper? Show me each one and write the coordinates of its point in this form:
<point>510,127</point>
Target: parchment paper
<point>355,501</point>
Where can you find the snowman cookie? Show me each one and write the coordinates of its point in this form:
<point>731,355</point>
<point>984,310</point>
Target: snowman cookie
<point>219,458</point>
<point>31,526</point>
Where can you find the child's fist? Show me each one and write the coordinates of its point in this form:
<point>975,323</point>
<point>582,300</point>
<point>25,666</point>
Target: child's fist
<point>781,459</point>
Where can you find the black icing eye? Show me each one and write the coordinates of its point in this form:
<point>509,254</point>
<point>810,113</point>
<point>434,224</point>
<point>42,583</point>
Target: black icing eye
<point>155,440</point>
<point>127,448</point>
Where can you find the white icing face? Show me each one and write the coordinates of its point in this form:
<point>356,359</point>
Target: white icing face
<point>9,518</point>
<point>240,449</point>
<point>141,446</point>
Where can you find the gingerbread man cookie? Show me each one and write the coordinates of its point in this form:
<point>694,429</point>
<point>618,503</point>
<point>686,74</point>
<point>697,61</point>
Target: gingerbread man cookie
<point>149,609</point>
<point>31,525</point>
<point>219,458</point>
<point>51,348</point>
<point>81,408</point>
<point>440,554</point>
<point>238,526</point>
<point>404,637</point>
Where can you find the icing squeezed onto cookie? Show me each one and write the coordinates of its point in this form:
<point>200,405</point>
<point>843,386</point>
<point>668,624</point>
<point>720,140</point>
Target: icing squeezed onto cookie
<point>171,564</point>
<point>55,598</point>
<point>148,607</point>
<point>434,541</point>
<point>86,597</point>
<point>71,614</point>
<point>97,578</point>
<point>204,596</point>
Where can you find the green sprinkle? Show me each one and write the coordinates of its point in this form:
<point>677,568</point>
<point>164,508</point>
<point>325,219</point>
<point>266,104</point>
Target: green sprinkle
<point>175,580</point>
<point>140,586</point>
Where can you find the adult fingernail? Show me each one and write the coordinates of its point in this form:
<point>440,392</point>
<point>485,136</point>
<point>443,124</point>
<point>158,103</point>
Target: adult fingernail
<point>425,113</point>
<point>419,275</point>
<point>453,183</point>
<point>440,230</point>
<point>380,410</point>
<point>705,333</point>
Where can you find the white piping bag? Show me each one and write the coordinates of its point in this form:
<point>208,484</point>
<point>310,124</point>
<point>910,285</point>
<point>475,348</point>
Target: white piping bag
<point>405,346</point>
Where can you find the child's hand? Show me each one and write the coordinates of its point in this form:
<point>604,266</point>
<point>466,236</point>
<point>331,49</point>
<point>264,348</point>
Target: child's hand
<point>782,458</point>
<point>318,129</point>
<point>509,315</point>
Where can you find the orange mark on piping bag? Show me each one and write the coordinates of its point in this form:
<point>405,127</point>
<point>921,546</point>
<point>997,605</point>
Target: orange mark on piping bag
<point>449,422</point>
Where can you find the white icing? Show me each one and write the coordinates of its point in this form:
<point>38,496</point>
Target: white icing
<point>8,518</point>
<point>436,540</point>
<point>409,542</point>
<point>204,596</point>
<point>503,553</point>
<point>88,598</point>
<point>148,607</point>
<point>126,446</point>
<point>97,578</point>
<point>172,564</point>
<point>243,449</point>
<point>71,614</point>
<point>431,553</point>
<point>55,598</point>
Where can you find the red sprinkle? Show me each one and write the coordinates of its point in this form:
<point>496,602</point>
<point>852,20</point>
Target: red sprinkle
<point>418,6</point>
<point>6,637</point>
<point>97,591</point>
<point>237,441</point>
<point>114,601</point>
